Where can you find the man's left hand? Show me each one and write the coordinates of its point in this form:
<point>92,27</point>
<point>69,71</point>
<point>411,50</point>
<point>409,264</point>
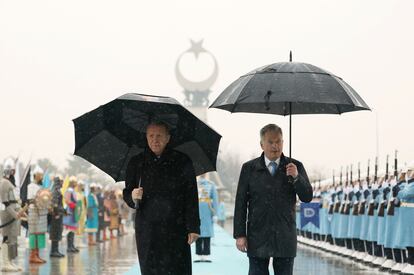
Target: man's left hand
<point>291,170</point>
<point>192,237</point>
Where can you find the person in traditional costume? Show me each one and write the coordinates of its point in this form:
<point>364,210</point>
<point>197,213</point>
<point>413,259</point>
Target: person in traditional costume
<point>39,202</point>
<point>10,214</point>
<point>114,214</point>
<point>57,214</point>
<point>92,221</point>
<point>100,236</point>
<point>81,209</point>
<point>107,212</point>
<point>70,221</point>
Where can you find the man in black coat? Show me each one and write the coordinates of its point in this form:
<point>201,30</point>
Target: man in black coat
<point>264,215</point>
<point>167,221</point>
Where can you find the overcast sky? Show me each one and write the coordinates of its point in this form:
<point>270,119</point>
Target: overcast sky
<point>60,59</point>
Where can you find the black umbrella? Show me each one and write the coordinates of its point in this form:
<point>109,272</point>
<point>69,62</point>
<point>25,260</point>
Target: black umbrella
<point>288,88</point>
<point>113,133</point>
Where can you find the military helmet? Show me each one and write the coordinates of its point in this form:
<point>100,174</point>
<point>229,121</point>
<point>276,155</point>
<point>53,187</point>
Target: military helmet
<point>9,166</point>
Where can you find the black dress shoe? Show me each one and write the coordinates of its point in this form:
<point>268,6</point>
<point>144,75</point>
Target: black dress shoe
<point>71,250</point>
<point>54,254</point>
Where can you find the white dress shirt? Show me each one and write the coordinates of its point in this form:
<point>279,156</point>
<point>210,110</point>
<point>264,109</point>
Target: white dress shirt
<point>268,161</point>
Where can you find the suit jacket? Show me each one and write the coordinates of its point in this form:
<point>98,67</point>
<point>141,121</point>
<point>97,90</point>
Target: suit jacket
<point>265,207</point>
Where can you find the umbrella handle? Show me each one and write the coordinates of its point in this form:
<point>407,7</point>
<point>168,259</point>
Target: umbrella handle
<point>138,200</point>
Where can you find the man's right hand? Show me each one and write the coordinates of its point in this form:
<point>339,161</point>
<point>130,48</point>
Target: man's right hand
<point>137,193</point>
<point>241,244</point>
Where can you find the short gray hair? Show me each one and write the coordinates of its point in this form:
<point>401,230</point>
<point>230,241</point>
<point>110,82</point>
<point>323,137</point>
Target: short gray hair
<point>160,124</point>
<point>270,128</point>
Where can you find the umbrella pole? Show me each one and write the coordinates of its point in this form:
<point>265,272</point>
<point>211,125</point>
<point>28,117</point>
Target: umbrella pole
<point>290,178</point>
<point>290,130</point>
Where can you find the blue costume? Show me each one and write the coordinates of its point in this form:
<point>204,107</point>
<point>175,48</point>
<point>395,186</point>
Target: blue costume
<point>208,206</point>
<point>92,221</point>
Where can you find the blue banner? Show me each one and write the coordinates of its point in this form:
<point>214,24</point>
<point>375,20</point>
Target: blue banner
<point>309,213</point>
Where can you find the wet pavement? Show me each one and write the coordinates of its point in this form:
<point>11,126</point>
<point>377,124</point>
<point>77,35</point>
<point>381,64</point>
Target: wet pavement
<point>118,256</point>
<point>115,256</point>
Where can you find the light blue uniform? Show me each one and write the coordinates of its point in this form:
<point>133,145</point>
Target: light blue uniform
<point>208,200</point>
<point>384,194</point>
<point>324,225</point>
<point>343,220</point>
<point>351,218</point>
<point>405,230</point>
<point>335,218</point>
<point>391,225</point>
<point>364,218</point>
<point>356,219</point>
<point>331,194</point>
<point>373,220</point>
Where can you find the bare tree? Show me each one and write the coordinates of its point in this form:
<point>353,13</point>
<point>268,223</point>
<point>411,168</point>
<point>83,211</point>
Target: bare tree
<point>228,167</point>
<point>47,164</point>
<point>77,165</point>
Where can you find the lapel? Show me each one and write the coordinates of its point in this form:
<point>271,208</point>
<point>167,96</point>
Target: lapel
<point>260,165</point>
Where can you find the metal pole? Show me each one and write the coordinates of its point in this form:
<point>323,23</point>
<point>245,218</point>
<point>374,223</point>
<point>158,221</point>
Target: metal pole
<point>290,130</point>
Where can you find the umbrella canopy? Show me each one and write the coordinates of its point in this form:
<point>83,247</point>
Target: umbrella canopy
<point>288,88</point>
<point>271,89</point>
<point>113,133</point>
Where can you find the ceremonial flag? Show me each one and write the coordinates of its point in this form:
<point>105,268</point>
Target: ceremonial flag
<point>65,187</point>
<point>309,213</point>
<point>24,183</point>
<point>46,180</point>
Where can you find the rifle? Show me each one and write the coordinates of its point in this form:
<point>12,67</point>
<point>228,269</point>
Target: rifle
<point>355,208</point>
<point>391,205</point>
<point>337,205</point>
<point>381,210</point>
<point>361,209</point>
<point>347,202</point>
<point>371,206</point>
<point>395,165</point>
<point>383,204</point>
<point>331,207</point>
<point>386,169</point>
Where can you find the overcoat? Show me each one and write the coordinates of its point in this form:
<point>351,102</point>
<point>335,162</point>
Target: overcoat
<point>167,212</point>
<point>265,207</point>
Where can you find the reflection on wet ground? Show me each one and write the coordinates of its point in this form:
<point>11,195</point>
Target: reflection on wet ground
<point>118,256</point>
<point>311,261</point>
<point>114,256</point>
